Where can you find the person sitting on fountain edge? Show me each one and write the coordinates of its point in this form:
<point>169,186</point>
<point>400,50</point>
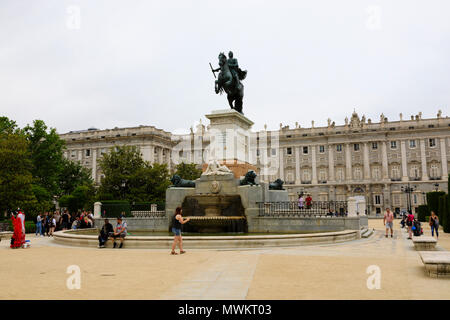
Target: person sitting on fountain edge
<point>119,232</point>
<point>106,230</point>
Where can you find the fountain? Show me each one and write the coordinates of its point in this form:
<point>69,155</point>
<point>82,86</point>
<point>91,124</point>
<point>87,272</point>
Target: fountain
<point>215,206</point>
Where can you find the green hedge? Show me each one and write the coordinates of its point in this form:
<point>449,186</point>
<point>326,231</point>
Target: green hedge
<point>30,227</point>
<point>433,201</point>
<point>422,213</point>
<point>113,209</point>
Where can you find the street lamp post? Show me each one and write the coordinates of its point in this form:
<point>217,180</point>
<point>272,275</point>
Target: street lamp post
<point>408,190</point>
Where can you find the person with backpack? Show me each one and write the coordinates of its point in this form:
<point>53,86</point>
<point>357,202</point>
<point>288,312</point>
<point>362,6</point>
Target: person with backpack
<point>409,223</point>
<point>434,224</point>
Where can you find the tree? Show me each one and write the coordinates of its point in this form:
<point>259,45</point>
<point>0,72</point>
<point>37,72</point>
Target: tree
<point>188,171</point>
<point>46,151</point>
<point>72,175</point>
<point>82,197</point>
<point>15,170</point>
<point>129,177</point>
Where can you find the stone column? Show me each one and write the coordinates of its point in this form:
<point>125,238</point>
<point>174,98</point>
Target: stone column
<point>384,161</point>
<point>423,159</point>
<point>297,165</point>
<point>348,163</point>
<point>145,151</point>
<point>281,162</point>
<point>80,155</point>
<point>97,210</point>
<point>444,172</point>
<point>331,176</point>
<point>152,154</point>
<point>94,165</point>
<point>313,164</point>
<point>366,162</point>
<point>404,161</point>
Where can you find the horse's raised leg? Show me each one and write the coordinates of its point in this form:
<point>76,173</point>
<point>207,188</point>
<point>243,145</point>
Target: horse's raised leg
<point>230,101</point>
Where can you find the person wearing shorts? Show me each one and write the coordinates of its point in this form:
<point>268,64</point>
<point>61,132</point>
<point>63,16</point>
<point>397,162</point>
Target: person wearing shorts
<point>119,232</point>
<point>388,221</point>
<point>177,221</point>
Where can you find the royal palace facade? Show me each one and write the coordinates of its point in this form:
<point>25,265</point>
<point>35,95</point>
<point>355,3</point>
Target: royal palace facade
<point>377,160</point>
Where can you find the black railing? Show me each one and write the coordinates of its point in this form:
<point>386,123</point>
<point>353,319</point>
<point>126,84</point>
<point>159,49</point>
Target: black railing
<point>292,209</point>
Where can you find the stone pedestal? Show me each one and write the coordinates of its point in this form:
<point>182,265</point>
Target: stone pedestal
<point>97,210</point>
<point>230,133</point>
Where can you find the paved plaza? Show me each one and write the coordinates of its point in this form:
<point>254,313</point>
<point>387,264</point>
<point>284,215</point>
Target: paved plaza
<point>336,271</point>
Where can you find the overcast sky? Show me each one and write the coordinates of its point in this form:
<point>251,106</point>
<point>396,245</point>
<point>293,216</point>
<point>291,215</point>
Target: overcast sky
<point>130,63</point>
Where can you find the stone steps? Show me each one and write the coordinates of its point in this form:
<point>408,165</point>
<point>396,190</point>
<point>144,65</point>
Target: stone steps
<point>365,233</point>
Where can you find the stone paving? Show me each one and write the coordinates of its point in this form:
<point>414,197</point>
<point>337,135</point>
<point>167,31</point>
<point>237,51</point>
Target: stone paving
<point>335,271</point>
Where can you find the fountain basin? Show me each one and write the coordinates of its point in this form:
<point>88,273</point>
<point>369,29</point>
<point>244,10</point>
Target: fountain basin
<point>84,239</point>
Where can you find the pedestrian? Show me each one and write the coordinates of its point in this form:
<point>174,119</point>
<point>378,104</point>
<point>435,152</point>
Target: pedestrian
<point>301,201</point>
<point>177,221</point>
<point>308,201</point>
<point>434,224</point>
<point>38,225</point>
<point>409,223</point>
<point>388,221</point>
<point>51,226</point>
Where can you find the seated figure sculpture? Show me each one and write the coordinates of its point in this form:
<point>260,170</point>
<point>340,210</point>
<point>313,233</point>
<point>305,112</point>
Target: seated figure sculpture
<point>215,168</point>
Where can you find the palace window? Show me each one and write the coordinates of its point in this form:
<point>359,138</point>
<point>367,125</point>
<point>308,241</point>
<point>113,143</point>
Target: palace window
<point>414,171</point>
<point>432,142</point>
<point>321,149</point>
<point>274,151</point>
<point>306,175</point>
<point>289,150</point>
<point>393,144</point>
<point>434,170</point>
<point>412,144</point>
<point>88,152</point>
<point>339,148</point>
<point>356,147</point>
<point>376,173</point>
<point>374,145</point>
<point>395,172</point>
<point>323,175</point>
<point>305,150</point>
<point>377,199</point>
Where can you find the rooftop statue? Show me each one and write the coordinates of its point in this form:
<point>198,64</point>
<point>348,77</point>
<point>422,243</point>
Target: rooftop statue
<point>229,80</point>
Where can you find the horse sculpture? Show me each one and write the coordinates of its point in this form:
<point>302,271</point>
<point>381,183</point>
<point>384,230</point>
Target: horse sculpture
<point>230,84</point>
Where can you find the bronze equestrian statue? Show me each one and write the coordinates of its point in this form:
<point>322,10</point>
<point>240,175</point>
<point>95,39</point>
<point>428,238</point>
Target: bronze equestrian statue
<point>229,80</point>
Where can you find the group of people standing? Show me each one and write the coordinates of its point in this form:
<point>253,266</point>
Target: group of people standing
<point>411,223</point>
<point>49,222</point>
<point>304,202</point>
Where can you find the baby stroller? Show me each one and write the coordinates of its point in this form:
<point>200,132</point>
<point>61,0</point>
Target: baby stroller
<point>417,228</point>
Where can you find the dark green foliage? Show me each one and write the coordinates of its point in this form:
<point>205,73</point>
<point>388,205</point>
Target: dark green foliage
<point>81,198</point>
<point>46,152</point>
<point>15,170</point>
<point>113,209</point>
<point>422,213</point>
<point>188,171</point>
<point>433,201</point>
<point>129,177</point>
<point>72,175</point>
